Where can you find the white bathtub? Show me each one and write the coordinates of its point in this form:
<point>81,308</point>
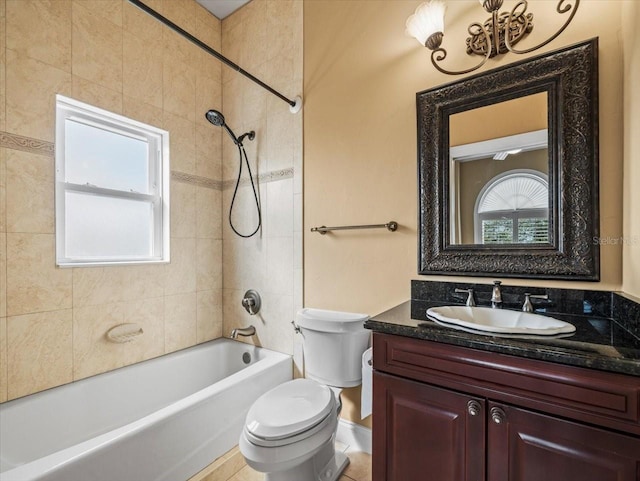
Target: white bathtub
<point>160,420</point>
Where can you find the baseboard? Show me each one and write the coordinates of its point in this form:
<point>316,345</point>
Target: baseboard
<point>357,437</point>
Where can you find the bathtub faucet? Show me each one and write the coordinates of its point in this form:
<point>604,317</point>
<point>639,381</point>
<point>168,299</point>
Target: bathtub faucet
<point>243,331</point>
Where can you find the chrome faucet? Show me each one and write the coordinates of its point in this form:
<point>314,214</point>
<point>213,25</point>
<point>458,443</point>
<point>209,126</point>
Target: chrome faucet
<point>251,302</point>
<point>471,302</point>
<point>243,331</point>
<point>496,295</point>
<point>527,306</point>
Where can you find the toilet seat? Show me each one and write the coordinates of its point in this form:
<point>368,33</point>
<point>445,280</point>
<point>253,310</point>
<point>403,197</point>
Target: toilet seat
<point>289,413</point>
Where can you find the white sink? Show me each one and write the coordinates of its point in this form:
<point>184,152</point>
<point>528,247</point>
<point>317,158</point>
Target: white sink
<point>499,321</point>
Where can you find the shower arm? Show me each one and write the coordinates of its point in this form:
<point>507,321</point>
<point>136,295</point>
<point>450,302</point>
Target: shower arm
<point>294,105</point>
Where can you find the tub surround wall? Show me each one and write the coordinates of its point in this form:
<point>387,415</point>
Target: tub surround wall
<point>265,37</point>
<point>112,55</point>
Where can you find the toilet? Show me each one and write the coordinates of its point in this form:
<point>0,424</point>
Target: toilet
<point>289,433</point>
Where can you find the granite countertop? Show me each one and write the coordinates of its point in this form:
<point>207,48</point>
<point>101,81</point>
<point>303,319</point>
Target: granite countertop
<point>598,343</point>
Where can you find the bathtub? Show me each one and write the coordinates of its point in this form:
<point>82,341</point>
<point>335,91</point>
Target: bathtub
<point>160,420</point>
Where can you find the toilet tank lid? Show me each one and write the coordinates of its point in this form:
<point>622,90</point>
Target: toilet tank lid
<point>289,409</point>
<point>330,321</point>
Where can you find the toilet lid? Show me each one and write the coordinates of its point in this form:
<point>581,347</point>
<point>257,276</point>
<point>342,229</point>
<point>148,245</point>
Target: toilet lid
<point>289,409</point>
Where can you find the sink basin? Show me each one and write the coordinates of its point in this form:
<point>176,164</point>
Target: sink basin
<point>499,321</point>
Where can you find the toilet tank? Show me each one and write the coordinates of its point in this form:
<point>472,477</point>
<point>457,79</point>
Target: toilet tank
<point>333,343</point>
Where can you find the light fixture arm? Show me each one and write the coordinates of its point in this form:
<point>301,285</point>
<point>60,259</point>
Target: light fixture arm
<point>443,53</point>
<point>497,35</point>
<point>560,9</point>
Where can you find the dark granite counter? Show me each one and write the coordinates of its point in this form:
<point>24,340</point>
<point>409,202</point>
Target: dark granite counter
<point>598,343</point>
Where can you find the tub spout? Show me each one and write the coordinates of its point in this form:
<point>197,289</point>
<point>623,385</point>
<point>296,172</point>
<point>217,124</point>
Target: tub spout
<point>243,331</point>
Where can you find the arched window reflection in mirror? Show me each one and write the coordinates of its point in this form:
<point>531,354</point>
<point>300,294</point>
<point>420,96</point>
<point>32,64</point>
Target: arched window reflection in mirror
<point>513,208</point>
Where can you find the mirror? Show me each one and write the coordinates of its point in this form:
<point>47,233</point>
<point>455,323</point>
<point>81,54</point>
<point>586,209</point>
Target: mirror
<point>499,173</point>
<point>508,170</point>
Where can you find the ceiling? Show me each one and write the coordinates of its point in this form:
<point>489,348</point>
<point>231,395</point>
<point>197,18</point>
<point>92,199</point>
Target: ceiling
<point>222,8</point>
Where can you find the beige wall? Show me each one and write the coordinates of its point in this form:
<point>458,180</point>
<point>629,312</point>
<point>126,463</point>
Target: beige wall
<point>631,233</point>
<point>361,77</point>
<point>265,38</point>
<point>110,54</point>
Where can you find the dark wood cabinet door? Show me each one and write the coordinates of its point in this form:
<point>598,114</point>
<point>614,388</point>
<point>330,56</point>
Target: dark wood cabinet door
<point>527,446</point>
<point>425,433</point>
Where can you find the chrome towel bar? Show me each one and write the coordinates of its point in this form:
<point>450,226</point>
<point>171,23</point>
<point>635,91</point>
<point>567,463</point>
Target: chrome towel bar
<point>323,229</point>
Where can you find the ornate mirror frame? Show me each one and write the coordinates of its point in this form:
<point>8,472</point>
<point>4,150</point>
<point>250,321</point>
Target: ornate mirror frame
<point>570,78</point>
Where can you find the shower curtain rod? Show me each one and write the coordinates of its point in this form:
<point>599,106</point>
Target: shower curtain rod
<point>294,105</point>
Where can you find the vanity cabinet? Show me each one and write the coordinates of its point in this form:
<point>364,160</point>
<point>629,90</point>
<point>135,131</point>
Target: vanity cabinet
<point>449,413</point>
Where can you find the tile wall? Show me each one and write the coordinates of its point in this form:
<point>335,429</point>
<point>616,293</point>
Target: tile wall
<point>112,55</point>
<point>265,38</point>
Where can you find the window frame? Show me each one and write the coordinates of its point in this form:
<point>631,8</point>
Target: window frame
<point>159,180</point>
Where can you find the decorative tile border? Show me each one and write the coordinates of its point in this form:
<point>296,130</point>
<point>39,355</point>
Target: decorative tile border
<point>27,144</point>
<point>196,180</point>
<point>41,147</point>
<point>272,176</point>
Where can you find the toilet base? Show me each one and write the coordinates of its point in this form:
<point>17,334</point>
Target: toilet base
<point>327,465</point>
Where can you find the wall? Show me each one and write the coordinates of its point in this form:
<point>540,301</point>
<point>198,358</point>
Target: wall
<point>110,54</point>
<point>265,38</point>
<point>631,233</point>
<point>361,74</point>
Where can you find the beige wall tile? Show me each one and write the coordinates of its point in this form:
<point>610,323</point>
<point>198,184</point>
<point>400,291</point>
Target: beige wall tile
<point>140,23</point>
<point>280,129</point>
<point>93,353</point>
<point>149,315</point>
<point>31,89</point>
<point>39,354</point>
<point>281,26</point>
<point>3,359</point>
<point>208,27</point>
<point>142,70</point>
<point>208,91</point>
<point>29,192</point>
<point>180,274</point>
<point>278,214</point>
<point>209,264</point>
<point>3,81</point>
<point>179,88</point>
<point>280,265</point>
<point>3,190</point>
<point>34,283</point>
<point>137,110</point>
<point>103,285</point>
<point>181,12</point>
<point>97,48</point>
<point>183,209</point>
<point>208,213</point>
<point>97,95</point>
<point>254,43</point>
<point>3,274</point>
<point>176,48</point>
<point>110,10</point>
<point>209,151</point>
<point>182,138</point>
<point>41,30</point>
<point>180,321</point>
<point>209,315</point>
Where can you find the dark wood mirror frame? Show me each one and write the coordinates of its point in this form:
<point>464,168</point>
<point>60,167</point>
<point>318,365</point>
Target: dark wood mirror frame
<point>570,78</point>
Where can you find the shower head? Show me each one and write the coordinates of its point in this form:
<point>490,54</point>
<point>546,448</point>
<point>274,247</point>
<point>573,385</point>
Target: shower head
<point>215,117</point>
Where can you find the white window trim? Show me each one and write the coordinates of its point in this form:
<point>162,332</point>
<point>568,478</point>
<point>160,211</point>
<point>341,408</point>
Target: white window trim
<point>159,171</point>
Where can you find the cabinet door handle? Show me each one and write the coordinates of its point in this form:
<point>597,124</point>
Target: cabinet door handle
<point>498,416</point>
<point>473,408</point>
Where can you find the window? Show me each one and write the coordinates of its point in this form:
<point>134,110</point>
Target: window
<point>112,188</point>
<point>513,208</point>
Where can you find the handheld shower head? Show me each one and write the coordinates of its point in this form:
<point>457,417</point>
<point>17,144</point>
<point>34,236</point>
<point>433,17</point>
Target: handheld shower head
<point>215,117</point>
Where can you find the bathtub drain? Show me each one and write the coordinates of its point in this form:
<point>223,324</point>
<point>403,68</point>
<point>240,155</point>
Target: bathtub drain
<point>246,357</point>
